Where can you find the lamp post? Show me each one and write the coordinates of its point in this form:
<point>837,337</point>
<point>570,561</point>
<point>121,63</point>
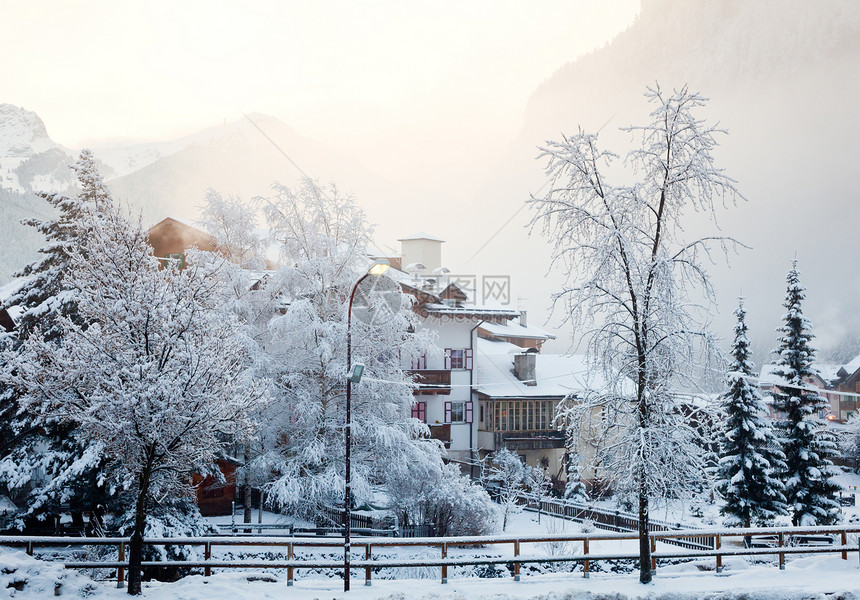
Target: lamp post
<point>353,376</point>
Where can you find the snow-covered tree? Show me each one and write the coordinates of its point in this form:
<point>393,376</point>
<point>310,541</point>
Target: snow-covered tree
<point>47,295</point>
<point>324,237</point>
<point>157,376</point>
<point>750,461</point>
<point>46,461</point>
<point>574,488</point>
<point>437,493</point>
<point>807,444</point>
<point>638,292</point>
<point>511,478</point>
<point>233,223</point>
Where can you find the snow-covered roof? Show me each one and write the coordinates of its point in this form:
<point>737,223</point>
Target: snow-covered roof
<point>420,235</point>
<point>471,310</point>
<point>852,366</point>
<point>517,330</point>
<point>556,375</point>
<point>7,289</point>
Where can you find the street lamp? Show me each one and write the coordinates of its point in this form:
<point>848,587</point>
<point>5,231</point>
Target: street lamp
<point>353,376</point>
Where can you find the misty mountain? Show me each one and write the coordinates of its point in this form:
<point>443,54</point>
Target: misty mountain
<point>165,178</point>
<point>783,79</point>
<point>242,158</point>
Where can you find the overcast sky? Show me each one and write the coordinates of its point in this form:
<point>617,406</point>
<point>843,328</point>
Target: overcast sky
<point>330,69</point>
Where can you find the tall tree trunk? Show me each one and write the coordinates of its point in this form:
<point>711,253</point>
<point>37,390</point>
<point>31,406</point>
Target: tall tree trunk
<point>135,555</point>
<point>644,534</point>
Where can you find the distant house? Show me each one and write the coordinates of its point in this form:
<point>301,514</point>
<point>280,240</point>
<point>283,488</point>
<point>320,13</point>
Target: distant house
<point>518,393</point>
<point>839,385</point>
<point>171,237</point>
<point>9,316</point>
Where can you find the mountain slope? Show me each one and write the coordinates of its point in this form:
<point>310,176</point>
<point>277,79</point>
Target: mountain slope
<point>783,78</point>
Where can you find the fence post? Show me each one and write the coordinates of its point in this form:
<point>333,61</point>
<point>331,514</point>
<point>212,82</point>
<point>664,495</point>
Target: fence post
<point>781,554</point>
<point>444,567</point>
<point>120,572</point>
<point>845,543</point>
<point>367,568</point>
<point>718,543</point>
<point>653,550</point>
<point>207,554</point>
<point>585,564</point>
<point>516,564</point>
<point>290,569</point>
<point>30,548</point>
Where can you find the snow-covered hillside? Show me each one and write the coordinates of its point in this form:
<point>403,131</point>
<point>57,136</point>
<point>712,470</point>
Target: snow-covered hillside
<point>29,159</point>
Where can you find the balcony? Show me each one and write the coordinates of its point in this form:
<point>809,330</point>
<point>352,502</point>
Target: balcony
<point>432,382</point>
<point>441,433</point>
<point>529,440</point>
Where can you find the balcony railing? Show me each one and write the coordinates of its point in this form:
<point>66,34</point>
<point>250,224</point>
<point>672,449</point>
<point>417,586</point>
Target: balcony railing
<point>432,382</point>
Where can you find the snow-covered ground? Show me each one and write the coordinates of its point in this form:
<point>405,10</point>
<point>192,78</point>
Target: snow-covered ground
<point>808,577</point>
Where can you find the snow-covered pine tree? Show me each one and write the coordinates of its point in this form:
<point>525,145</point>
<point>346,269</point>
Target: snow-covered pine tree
<point>158,375</point>
<point>574,488</point>
<point>750,462</point>
<point>807,445</point>
<point>46,295</point>
<point>36,444</point>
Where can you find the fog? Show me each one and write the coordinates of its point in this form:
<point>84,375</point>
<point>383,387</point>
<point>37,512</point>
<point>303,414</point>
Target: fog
<point>432,117</point>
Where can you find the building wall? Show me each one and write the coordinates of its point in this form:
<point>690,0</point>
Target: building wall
<point>455,333</point>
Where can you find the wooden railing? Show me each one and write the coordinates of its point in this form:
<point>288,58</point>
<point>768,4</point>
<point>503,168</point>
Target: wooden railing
<point>614,520</point>
<point>782,537</point>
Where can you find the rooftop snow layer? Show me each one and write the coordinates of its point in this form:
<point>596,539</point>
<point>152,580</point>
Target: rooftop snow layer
<point>517,331</point>
<point>556,375</point>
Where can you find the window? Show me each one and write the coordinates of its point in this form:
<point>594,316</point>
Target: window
<point>179,256</point>
<point>419,363</point>
<point>456,358</point>
<point>419,411</point>
<point>458,412</point>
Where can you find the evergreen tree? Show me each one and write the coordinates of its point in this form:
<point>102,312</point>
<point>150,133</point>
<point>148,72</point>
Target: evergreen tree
<point>750,463</point>
<point>46,296</point>
<point>35,444</point>
<point>574,489</point>
<point>807,445</point>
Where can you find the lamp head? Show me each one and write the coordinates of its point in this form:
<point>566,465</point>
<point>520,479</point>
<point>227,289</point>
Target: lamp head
<point>379,267</point>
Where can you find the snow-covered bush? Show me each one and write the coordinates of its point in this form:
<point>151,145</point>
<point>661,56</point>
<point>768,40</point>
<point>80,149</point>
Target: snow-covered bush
<point>441,495</point>
<point>512,477</point>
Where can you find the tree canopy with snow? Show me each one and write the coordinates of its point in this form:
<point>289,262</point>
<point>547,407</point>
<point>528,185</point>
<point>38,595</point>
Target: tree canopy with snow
<point>637,291</point>
<point>44,461</point>
<point>324,238</point>
<point>750,460</point>
<point>157,376</point>
<point>807,444</point>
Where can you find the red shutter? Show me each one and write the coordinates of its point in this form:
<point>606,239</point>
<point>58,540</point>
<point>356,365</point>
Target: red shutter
<point>422,412</point>
<point>422,361</point>
<point>468,412</point>
<point>469,360</point>
<point>447,412</point>
<point>448,360</point>
<point>415,363</point>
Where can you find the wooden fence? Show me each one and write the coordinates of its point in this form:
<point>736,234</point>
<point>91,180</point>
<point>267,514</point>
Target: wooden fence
<point>782,538</point>
<point>615,520</point>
